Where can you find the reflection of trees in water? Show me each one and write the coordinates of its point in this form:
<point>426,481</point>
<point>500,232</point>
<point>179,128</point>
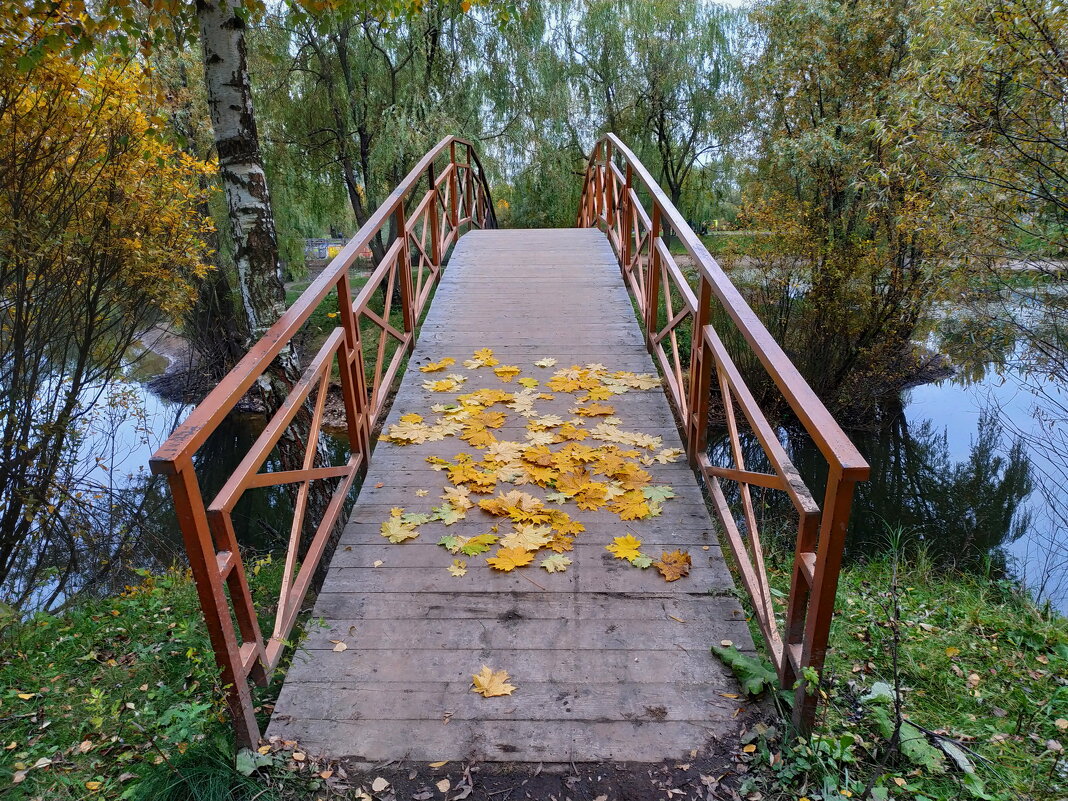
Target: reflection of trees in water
<point>132,525</point>
<point>961,511</point>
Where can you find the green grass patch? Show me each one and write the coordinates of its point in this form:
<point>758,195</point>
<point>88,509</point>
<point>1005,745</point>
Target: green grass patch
<point>979,671</point>
<point>121,693</point>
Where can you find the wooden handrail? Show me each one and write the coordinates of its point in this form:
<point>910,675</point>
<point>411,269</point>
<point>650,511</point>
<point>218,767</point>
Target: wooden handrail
<point>610,201</point>
<point>457,196</point>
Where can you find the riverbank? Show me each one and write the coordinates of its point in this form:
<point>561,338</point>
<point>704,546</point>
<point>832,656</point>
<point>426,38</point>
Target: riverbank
<point>118,698</point>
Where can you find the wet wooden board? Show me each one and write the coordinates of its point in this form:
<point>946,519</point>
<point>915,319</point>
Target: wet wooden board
<point>611,662</point>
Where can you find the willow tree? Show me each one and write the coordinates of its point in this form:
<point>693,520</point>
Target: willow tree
<point>663,75</point>
<point>367,95</point>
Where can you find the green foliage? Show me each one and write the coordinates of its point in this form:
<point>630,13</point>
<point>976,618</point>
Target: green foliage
<point>753,674</point>
<point>864,224</point>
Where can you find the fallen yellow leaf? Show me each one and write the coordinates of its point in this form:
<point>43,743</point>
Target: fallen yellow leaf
<point>489,683</point>
<point>625,547</point>
<point>439,764</point>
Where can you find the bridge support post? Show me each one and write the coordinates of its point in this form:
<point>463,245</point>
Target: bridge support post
<point>204,562</point>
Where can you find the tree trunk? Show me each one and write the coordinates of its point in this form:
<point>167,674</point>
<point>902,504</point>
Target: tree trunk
<point>229,90</point>
<point>222,36</point>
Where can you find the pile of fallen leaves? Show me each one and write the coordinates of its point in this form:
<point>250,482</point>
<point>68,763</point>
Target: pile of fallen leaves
<point>588,460</point>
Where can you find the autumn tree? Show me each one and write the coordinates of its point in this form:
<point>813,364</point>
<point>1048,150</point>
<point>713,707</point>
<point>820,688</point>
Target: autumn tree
<point>100,235</point>
<point>864,229</point>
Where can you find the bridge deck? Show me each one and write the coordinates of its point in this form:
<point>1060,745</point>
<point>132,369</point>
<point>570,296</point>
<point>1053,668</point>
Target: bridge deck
<point>610,661</point>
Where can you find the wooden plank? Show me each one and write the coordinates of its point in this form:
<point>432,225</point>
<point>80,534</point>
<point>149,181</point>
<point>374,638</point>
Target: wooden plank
<point>540,701</point>
<point>414,664</point>
<point>552,742</point>
<point>611,661</point>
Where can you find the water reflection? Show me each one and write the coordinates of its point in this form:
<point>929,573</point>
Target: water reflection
<point>963,511</point>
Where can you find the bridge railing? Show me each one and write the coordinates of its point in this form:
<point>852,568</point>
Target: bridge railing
<point>422,218</point>
<point>695,364</point>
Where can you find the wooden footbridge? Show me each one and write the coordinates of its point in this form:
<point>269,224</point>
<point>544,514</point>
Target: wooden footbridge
<point>541,428</point>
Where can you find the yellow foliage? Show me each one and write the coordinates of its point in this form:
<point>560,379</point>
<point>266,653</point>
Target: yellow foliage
<point>91,192</point>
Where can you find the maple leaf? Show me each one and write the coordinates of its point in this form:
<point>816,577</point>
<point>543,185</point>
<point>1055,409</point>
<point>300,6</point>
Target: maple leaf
<point>637,381</point>
<point>570,432</point>
<point>396,530</point>
<point>489,683</point>
<point>458,567</point>
<point>411,417</point>
<point>669,455</point>
<point>450,543</point>
<point>506,372</point>
<point>528,537</point>
<point>564,524</point>
<point>421,493</point>
<point>625,547</point>
<point>557,563</point>
<point>505,452</point>
<point>659,493</point>
<point>674,565</point>
<point>594,410</point>
<point>546,362</point>
<point>434,367</point>
<point>540,437</point>
<point>482,358</point>
<point>572,483</point>
<point>447,384</point>
<point>508,559</point>
<point>557,497</point>
<point>447,514</point>
<point>631,506</point>
<point>478,435</point>
<point>561,542</point>
<point>459,498</point>
<point>478,544</point>
<point>592,497</point>
<point>529,383</point>
<point>642,561</point>
<point>598,394</point>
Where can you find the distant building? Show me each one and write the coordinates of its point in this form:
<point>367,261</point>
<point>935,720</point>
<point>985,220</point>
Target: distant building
<point>323,249</point>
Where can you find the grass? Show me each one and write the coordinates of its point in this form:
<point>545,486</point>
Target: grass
<point>977,664</point>
<point>94,700</point>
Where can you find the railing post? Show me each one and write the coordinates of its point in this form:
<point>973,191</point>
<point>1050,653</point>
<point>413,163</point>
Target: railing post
<point>652,279</point>
<point>353,380</point>
<point>701,362</point>
<point>453,191</point>
<point>626,226</point>
<point>199,545</point>
<point>404,273</point>
<point>836,505</point>
<point>435,224</point>
<point>469,189</point>
<point>610,189</point>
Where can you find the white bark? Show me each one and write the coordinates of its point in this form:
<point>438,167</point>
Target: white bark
<point>222,36</point>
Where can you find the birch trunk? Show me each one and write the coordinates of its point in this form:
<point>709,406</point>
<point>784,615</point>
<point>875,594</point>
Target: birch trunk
<point>229,91</point>
<point>222,36</point>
